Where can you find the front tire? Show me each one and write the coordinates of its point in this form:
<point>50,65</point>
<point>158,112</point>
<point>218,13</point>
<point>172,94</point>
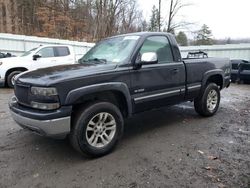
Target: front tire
<point>11,78</point>
<point>208,103</point>
<point>96,129</point>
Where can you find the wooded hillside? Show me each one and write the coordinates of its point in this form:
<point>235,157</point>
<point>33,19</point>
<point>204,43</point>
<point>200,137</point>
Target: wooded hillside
<point>88,20</point>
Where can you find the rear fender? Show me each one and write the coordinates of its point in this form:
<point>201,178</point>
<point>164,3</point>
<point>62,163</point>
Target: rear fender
<point>210,73</point>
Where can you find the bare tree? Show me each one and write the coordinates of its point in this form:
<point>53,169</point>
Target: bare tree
<point>115,16</point>
<point>174,8</point>
<point>131,19</point>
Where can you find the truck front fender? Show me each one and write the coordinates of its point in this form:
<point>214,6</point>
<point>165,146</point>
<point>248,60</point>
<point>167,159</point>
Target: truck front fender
<point>75,94</point>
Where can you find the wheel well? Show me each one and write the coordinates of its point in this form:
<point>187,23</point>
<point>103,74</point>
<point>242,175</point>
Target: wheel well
<point>115,97</point>
<point>14,69</point>
<point>216,79</point>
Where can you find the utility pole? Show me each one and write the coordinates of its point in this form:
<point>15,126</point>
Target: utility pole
<point>159,17</point>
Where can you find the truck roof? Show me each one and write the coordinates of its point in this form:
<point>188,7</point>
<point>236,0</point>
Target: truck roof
<point>144,34</point>
<point>56,45</point>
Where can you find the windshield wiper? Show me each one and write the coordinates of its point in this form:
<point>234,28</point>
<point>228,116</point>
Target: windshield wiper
<point>97,61</point>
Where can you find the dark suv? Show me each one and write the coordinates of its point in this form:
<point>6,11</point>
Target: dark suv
<point>240,70</point>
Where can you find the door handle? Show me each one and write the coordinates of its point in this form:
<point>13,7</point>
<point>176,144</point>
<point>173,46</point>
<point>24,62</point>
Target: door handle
<point>175,71</point>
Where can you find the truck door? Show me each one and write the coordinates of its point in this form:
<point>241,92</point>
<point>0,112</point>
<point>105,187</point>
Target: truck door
<point>158,84</point>
<point>47,58</point>
<point>64,55</point>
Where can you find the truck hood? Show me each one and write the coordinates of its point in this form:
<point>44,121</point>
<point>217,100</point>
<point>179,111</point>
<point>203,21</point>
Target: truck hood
<point>8,60</point>
<point>57,74</point>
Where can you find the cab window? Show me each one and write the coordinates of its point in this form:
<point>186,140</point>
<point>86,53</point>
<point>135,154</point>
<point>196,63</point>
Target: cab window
<point>46,52</point>
<point>160,45</point>
<point>62,51</point>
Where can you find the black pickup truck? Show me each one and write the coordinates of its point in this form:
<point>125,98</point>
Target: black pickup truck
<point>120,76</point>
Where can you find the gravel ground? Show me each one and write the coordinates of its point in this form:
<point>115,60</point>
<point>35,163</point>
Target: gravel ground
<point>170,147</point>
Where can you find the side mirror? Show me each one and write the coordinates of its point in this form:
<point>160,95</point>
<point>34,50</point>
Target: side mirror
<point>36,56</point>
<point>149,58</point>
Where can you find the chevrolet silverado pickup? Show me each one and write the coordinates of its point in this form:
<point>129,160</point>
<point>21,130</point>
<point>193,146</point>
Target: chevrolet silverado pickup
<point>119,77</point>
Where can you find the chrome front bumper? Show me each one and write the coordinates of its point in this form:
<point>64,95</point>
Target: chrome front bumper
<point>56,128</point>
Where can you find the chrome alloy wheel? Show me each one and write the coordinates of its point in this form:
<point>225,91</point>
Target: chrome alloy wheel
<point>212,100</point>
<point>101,130</point>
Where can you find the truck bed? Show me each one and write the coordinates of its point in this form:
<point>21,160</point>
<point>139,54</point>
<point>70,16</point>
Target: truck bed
<point>196,67</point>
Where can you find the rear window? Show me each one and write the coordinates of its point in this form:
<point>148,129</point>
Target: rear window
<point>62,51</point>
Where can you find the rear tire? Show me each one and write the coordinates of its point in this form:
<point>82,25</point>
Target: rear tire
<point>208,102</point>
<point>96,129</point>
<point>11,77</point>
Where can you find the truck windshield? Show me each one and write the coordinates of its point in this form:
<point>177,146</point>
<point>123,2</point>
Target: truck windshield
<point>113,50</point>
<point>28,52</point>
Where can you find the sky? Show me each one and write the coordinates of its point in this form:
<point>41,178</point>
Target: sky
<point>226,18</point>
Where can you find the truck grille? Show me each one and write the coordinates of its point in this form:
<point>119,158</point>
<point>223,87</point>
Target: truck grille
<point>22,94</point>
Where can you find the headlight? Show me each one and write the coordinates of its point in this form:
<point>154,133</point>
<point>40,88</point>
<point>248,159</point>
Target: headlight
<point>45,106</point>
<point>42,91</point>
